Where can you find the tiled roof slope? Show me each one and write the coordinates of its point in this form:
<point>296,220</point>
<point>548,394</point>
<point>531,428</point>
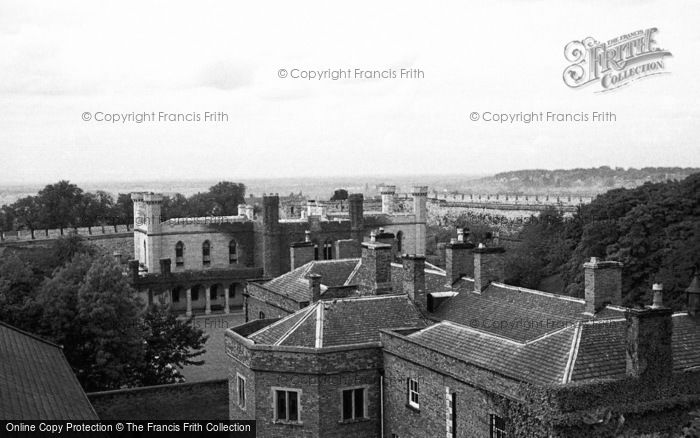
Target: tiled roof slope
<point>512,312</point>
<point>601,350</point>
<point>586,350</point>
<point>542,361</point>
<point>36,381</point>
<point>342,322</point>
<point>295,284</point>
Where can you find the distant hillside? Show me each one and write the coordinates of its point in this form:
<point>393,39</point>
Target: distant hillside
<point>592,180</point>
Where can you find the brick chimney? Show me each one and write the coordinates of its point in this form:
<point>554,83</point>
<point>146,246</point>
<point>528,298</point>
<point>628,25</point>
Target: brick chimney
<point>383,236</point>
<point>488,266</point>
<point>134,270</point>
<point>357,220</point>
<point>459,259</point>
<point>693,292</point>
<point>165,267</point>
<point>603,284</point>
<point>649,352</point>
<point>414,279</point>
<point>375,270</point>
<point>315,286</point>
<point>301,253</point>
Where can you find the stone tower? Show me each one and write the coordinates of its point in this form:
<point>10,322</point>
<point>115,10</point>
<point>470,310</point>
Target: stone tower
<point>271,236</point>
<point>420,197</point>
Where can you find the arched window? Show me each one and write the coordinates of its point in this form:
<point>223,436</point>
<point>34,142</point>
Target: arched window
<point>315,251</point>
<point>399,241</point>
<point>145,254</point>
<point>328,250</point>
<point>179,254</point>
<point>206,253</point>
<point>232,252</point>
<point>261,315</point>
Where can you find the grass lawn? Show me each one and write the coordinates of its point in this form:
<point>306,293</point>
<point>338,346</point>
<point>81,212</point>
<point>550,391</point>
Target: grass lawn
<point>215,361</point>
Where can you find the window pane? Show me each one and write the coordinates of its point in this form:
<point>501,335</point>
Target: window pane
<point>359,403</point>
<point>347,404</point>
<point>281,405</point>
<point>293,406</point>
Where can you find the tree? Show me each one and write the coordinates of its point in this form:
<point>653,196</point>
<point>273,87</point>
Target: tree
<point>17,284</point>
<point>339,195</point>
<point>123,210</point>
<point>60,205</point>
<point>95,208</point>
<point>170,343</point>
<point>109,344</point>
<point>227,195</point>
<point>28,213</point>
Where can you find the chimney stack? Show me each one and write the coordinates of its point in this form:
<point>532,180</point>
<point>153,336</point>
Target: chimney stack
<point>301,253</point>
<point>603,284</point>
<point>357,221</point>
<point>165,267</point>
<point>459,259</point>
<point>383,236</point>
<point>414,279</point>
<point>693,292</point>
<point>649,352</point>
<point>315,286</point>
<point>488,266</point>
<point>375,269</point>
<point>134,270</point>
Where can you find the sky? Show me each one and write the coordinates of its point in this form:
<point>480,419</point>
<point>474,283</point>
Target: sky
<point>60,60</point>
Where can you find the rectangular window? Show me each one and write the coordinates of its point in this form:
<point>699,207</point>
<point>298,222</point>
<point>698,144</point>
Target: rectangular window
<point>241,391</point>
<point>286,405</point>
<point>498,427</point>
<point>413,393</point>
<point>353,404</point>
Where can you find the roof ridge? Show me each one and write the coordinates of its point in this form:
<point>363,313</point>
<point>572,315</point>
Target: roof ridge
<point>353,273</point>
<point>276,323</point>
<point>297,324</point>
<point>31,335</point>
<point>319,326</point>
<point>538,292</point>
<point>480,332</point>
<point>573,354</point>
<point>555,332</point>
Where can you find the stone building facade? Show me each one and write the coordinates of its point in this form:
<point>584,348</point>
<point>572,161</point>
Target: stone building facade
<point>206,264</point>
<point>443,353</point>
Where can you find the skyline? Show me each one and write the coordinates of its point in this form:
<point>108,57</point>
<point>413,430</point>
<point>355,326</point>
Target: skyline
<point>65,60</point>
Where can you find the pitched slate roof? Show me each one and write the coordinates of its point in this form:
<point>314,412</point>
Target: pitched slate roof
<point>585,350</point>
<point>36,381</point>
<point>344,321</point>
<point>523,361</point>
<point>295,284</point>
<point>516,313</point>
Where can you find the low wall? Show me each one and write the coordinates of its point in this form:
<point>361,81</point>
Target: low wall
<point>206,400</point>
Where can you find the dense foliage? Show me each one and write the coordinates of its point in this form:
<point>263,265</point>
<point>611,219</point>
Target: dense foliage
<point>65,205</point>
<point>653,229</point>
<point>81,300</point>
<point>591,180</point>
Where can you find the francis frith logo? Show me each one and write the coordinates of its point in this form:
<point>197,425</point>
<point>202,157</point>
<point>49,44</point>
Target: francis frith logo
<point>616,62</point>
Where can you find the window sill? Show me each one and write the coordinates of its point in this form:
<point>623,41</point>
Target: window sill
<point>288,423</point>
<point>413,408</point>
<point>353,420</point>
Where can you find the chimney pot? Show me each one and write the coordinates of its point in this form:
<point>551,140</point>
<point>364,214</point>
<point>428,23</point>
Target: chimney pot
<point>315,285</point>
<point>307,236</point>
<point>373,237</point>
<point>658,300</point>
<point>460,234</point>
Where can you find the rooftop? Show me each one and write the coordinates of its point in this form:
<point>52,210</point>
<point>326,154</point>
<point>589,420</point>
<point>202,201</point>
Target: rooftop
<point>344,321</point>
<point>36,381</point>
